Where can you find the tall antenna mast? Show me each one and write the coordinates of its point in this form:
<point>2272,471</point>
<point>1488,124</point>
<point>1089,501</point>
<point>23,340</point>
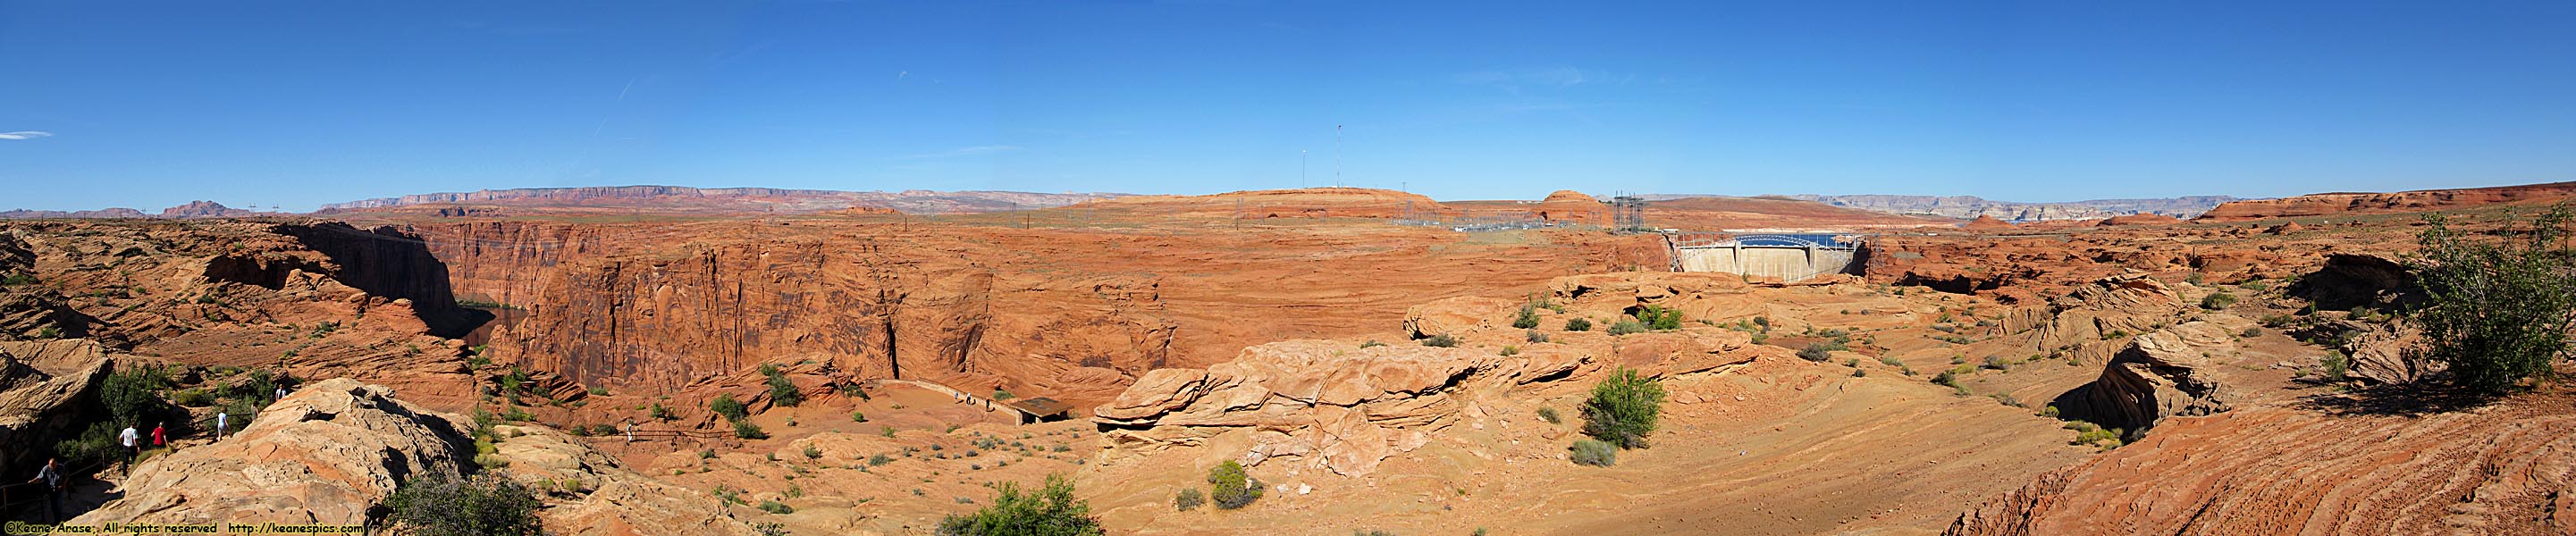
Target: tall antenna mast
<point>1301,168</point>
<point>1337,156</point>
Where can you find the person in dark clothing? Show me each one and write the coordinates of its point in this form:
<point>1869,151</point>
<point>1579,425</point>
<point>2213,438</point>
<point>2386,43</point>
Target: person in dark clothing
<point>52,477</point>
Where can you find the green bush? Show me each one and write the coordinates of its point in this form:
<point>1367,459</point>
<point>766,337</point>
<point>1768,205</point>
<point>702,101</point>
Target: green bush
<point>2498,311</point>
<point>781,392</point>
<point>2217,300</point>
<point>437,504</point>
<point>195,398</point>
<point>1440,341</point>
<point>1528,317</point>
<point>1535,335</point>
<point>812,453</point>
<point>129,395</point>
<point>1623,408</point>
<point>18,279</point>
<point>1816,351</point>
<point>731,409</point>
<point>1626,326</point>
<point>663,413</point>
<point>1188,499</point>
<point>747,430</point>
<point>775,507</point>
<point>1659,319</point>
<point>858,416</point>
<point>879,459</point>
<point>97,444</point>
<point>999,394</point>
<point>1594,453</point>
<point>1549,415</point>
<point>1231,487</point>
<point>1578,324</point>
<point>1050,511</point>
<point>2335,364</point>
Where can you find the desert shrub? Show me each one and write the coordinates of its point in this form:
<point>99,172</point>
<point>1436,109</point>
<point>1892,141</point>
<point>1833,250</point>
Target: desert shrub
<point>731,409</point>
<point>1860,373</point>
<point>775,507</point>
<point>1231,487</point>
<point>781,391</point>
<point>129,394</point>
<point>1549,415</point>
<point>1816,351</point>
<point>18,279</point>
<point>1659,319</point>
<point>2250,332</point>
<point>2335,364</point>
<point>1594,452</point>
<point>96,444</point>
<point>747,430</point>
<point>1578,324</point>
<point>1371,344</point>
<point>2498,311</point>
<point>1623,408</point>
<point>858,416</point>
<point>1188,499</point>
<point>999,394</point>
<point>879,459</point>
<point>1049,511</point>
<point>1528,317</point>
<point>662,413</point>
<point>437,504</point>
<point>1535,335</point>
<point>1440,341</point>
<point>1509,350</point>
<point>195,398</point>
<point>1947,377</point>
<point>1626,326</point>
<point>1890,360</point>
<point>812,453</point>
<point>2217,300</point>
<point>1997,362</point>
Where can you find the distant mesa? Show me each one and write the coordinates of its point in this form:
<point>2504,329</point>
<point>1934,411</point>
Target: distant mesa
<point>1966,206</point>
<point>194,209</point>
<point>1327,202</point>
<point>709,201</point>
<point>2330,204</point>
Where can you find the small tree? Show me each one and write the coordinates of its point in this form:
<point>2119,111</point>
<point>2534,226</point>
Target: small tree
<point>1231,486</point>
<point>1623,408</point>
<point>2499,311</point>
<point>437,504</point>
<point>731,409</point>
<point>1528,317</point>
<point>1050,511</point>
<point>781,391</point>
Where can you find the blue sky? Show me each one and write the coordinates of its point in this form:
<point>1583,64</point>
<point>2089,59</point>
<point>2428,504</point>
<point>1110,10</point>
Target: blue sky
<point>150,104</point>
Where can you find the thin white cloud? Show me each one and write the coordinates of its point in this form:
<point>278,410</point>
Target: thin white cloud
<point>24,135</point>
<point>966,151</point>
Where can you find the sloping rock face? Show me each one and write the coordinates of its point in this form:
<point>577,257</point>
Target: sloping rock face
<point>1343,408</point>
<point>2411,201</point>
<point>29,309</point>
<point>2159,375</point>
<point>595,495</point>
<point>324,454</point>
<point>41,383</point>
<point>2508,469</point>
<point>2127,304</point>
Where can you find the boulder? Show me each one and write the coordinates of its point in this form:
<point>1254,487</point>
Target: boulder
<point>1454,316</point>
<point>325,454</point>
<point>41,383</point>
<point>2158,375</point>
<point>1345,408</point>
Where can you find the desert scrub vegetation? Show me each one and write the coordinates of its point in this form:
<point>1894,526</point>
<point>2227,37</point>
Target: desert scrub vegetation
<point>2217,300</point>
<point>438,504</point>
<point>1527,318</point>
<point>1051,510</point>
<point>1578,324</point>
<point>1817,352</point>
<point>781,391</point>
<point>1188,499</point>
<point>1593,452</point>
<point>1549,415</point>
<point>1440,341</point>
<point>725,405</point>
<point>1623,408</point>
<point>1231,487</point>
<point>2498,311</point>
<point>1659,319</point>
<point>1626,326</point>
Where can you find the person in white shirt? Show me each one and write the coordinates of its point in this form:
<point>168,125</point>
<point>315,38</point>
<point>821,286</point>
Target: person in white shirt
<point>133,445</point>
<point>222,420</point>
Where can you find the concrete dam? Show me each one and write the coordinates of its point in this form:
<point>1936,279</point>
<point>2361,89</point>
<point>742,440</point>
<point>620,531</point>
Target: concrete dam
<point>1786,257</point>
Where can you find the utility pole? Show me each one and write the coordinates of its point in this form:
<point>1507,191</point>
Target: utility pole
<point>1301,168</point>
<point>1337,156</point>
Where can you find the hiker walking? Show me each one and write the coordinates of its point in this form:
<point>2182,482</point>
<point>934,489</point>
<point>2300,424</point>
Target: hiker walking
<point>281,394</point>
<point>222,420</point>
<point>52,477</point>
<point>630,430</point>
<point>133,446</point>
<point>160,434</point>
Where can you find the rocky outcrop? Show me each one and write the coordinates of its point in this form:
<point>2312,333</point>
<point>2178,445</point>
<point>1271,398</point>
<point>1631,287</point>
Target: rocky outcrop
<point>2139,219</point>
<point>2410,201</point>
<point>2159,375</point>
<point>2367,280</point>
<point>41,386</point>
<point>1987,223</point>
<point>1455,315</point>
<point>1568,206</point>
<point>1337,406</point>
<point>30,309</point>
<point>2506,469</point>
<point>324,454</point>
<point>205,209</point>
<point>593,494</point>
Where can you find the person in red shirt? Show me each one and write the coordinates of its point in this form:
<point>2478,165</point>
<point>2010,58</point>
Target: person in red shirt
<point>158,431</point>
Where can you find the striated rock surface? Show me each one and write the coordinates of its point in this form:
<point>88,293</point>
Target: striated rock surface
<point>324,454</point>
<point>1341,407</point>
<point>2409,201</point>
<point>42,384</point>
<point>593,494</point>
